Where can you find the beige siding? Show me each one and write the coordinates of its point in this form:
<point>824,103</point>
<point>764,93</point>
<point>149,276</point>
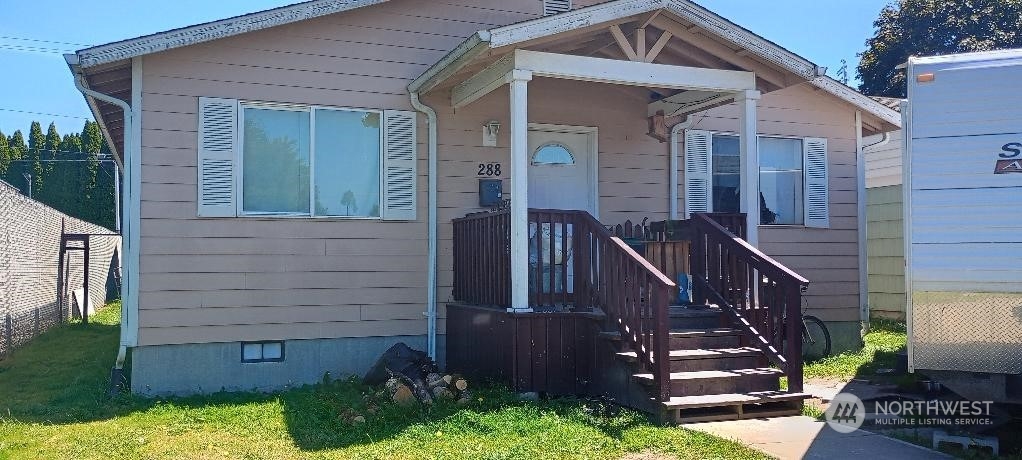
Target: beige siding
<point>883,161</point>
<point>827,257</point>
<point>217,280</point>
<point>886,251</point>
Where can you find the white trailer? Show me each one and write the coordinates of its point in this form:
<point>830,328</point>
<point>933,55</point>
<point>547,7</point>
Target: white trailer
<point>963,221</point>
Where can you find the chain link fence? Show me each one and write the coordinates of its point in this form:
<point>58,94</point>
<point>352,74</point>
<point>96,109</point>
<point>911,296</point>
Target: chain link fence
<point>29,247</point>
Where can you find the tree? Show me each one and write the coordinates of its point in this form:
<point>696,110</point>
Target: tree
<point>71,143</point>
<point>36,144</point>
<point>53,140</point>
<point>16,144</point>
<point>5,154</point>
<point>934,27</point>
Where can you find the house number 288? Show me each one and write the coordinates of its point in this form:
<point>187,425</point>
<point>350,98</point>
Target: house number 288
<point>489,169</point>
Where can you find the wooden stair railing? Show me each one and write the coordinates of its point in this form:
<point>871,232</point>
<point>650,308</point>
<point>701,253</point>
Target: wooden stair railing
<point>574,262</point>
<point>761,295</point>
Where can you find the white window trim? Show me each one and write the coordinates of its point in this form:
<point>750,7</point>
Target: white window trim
<point>239,155</point>
<point>758,137</point>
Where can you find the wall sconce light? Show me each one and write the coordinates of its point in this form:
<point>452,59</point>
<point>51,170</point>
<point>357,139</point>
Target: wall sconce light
<point>490,130</point>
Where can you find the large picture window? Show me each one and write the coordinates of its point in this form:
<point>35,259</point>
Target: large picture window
<point>781,183</point>
<point>310,161</point>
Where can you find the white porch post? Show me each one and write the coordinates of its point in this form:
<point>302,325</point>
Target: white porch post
<point>749,163</point>
<point>519,83</point>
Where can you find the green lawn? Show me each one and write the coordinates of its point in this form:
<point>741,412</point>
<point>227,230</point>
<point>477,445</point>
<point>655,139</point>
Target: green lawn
<point>53,405</point>
<point>884,340</point>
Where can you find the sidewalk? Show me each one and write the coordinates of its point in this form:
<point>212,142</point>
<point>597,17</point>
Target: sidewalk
<point>803,437</point>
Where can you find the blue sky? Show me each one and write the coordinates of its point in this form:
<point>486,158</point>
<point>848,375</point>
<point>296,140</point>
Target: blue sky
<point>35,78</point>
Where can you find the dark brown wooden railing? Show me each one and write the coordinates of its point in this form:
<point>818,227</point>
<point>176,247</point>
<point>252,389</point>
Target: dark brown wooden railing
<point>755,290</point>
<point>482,258</point>
<point>574,262</point>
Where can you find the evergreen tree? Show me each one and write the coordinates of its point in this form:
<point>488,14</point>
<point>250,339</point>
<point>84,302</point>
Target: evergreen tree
<point>71,143</point>
<point>92,138</point>
<point>5,155</point>
<point>17,146</point>
<point>53,140</point>
<point>36,144</point>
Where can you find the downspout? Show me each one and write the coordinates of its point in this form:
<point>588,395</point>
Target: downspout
<point>675,132</point>
<point>130,192</point>
<point>431,264</point>
<point>863,237</point>
<point>860,199</point>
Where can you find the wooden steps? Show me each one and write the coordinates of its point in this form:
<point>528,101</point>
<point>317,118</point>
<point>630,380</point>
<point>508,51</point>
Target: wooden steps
<point>720,381</point>
<point>701,359</point>
<point>734,406</point>
<point>714,374</point>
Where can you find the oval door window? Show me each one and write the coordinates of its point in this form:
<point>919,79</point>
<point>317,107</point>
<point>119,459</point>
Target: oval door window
<point>553,154</point>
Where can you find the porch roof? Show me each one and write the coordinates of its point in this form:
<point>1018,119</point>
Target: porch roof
<point>676,33</point>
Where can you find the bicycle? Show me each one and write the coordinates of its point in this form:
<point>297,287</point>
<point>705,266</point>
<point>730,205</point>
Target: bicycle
<point>815,336</point>
<point>816,342</point>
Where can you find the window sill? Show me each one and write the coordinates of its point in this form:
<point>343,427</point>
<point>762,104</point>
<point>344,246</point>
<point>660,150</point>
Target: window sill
<point>305,217</point>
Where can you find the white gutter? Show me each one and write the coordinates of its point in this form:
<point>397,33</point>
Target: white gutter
<point>431,265</point>
<point>132,179</point>
<point>675,131</point>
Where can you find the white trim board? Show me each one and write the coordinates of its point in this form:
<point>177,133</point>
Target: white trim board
<point>600,70</point>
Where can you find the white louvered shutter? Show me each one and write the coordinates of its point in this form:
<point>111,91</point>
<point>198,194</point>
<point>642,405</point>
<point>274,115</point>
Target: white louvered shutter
<point>555,6</point>
<point>399,165</point>
<point>817,192</point>
<point>218,126</point>
<point>698,172</point>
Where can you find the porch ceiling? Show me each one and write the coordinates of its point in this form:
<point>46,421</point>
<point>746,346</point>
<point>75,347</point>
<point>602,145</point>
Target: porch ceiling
<point>113,79</point>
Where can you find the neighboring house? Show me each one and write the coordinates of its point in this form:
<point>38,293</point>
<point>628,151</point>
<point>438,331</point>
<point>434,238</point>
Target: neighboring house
<point>885,228</point>
<point>294,174</point>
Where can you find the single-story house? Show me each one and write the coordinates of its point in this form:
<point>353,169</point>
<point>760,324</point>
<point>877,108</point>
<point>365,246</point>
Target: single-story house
<point>308,185</point>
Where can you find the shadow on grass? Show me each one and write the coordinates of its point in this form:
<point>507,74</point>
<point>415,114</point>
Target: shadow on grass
<point>62,378</point>
<point>880,351</point>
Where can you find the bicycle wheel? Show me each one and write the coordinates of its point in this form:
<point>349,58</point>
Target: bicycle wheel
<point>815,339</point>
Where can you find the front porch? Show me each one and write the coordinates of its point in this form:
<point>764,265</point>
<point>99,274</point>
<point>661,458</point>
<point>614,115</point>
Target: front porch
<point>606,321</point>
<point>545,297</point>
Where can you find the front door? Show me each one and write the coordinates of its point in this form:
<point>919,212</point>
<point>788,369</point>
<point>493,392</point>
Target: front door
<point>559,169</point>
<point>560,177</point>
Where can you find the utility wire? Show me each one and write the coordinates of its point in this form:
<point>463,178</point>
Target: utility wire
<point>26,39</point>
<point>45,114</point>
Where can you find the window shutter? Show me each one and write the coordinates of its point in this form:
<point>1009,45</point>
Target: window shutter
<point>817,193</point>
<point>218,126</point>
<point>555,6</point>
<point>399,165</point>
<point>698,172</point>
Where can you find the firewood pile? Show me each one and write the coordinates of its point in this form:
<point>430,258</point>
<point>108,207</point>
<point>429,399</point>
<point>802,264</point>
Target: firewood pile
<point>410,376</point>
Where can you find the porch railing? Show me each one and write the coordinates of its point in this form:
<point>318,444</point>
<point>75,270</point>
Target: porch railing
<point>762,296</point>
<point>574,262</point>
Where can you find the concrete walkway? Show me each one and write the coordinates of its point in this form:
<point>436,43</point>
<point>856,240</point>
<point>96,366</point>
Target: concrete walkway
<point>803,437</point>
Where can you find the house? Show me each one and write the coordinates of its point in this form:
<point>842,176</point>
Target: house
<point>304,190</point>
<point>884,222</point>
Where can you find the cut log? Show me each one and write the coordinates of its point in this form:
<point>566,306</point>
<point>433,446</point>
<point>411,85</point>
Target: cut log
<point>461,384</point>
<point>448,378</point>
<point>403,395</point>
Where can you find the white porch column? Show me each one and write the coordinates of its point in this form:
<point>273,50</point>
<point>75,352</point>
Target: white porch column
<point>749,162</point>
<point>519,83</point>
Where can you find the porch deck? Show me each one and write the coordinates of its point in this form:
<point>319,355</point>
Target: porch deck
<point>605,321</point>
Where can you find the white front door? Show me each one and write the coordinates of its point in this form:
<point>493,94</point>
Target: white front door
<point>562,168</point>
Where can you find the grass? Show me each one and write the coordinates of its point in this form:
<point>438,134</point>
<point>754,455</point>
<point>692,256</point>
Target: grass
<point>881,344</point>
<point>53,405</point>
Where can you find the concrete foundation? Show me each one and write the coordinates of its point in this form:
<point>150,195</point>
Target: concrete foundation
<point>212,367</point>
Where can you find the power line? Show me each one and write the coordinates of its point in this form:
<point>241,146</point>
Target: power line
<point>33,49</point>
<point>26,39</point>
<point>45,114</point>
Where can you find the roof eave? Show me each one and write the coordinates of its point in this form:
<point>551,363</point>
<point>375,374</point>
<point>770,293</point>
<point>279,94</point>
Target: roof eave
<point>175,38</point>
